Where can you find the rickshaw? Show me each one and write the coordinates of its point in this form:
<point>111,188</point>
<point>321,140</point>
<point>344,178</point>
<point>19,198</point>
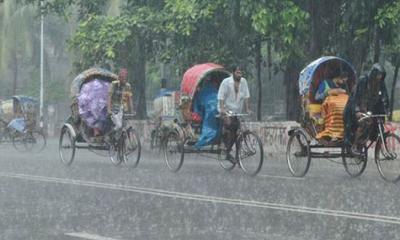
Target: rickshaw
<point>303,145</point>
<point>164,115</point>
<point>247,149</point>
<point>19,124</point>
<point>119,141</point>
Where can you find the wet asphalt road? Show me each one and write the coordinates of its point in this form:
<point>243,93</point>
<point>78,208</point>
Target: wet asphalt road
<point>92,199</point>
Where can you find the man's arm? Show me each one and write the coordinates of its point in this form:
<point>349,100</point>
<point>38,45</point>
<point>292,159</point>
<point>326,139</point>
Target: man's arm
<point>247,105</point>
<point>247,98</point>
<point>221,106</point>
<point>221,98</point>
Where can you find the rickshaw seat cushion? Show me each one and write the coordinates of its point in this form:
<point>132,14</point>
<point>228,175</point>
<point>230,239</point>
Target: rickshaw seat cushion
<point>314,108</point>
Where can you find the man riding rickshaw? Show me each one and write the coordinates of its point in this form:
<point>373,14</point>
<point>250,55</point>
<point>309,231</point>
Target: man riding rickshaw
<point>200,129</point>
<point>369,96</point>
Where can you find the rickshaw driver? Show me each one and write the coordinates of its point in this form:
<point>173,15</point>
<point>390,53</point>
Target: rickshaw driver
<point>232,95</point>
<point>120,94</point>
<point>369,95</point>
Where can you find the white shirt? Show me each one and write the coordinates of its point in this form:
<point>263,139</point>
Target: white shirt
<point>232,101</point>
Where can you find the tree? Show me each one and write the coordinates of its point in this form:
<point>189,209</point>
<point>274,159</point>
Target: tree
<point>387,19</point>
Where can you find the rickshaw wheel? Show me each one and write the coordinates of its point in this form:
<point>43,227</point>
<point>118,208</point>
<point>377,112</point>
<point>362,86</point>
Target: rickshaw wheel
<point>355,165</point>
<point>388,163</point>
<point>174,151</point>
<point>250,153</point>
<point>223,160</point>
<point>35,141</point>
<point>298,154</point>
<point>130,148</point>
<point>18,142</point>
<point>66,147</point>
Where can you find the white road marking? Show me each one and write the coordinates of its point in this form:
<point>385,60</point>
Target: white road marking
<point>211,199</point>
<point>88,236</point>
<point>281,177</point>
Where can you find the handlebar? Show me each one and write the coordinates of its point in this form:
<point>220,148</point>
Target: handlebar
<point>129,116</point>
<point>231,114</point>
<point>370,115</point>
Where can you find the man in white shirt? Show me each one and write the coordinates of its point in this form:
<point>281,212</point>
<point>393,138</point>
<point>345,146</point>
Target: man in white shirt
<point>233,95</point>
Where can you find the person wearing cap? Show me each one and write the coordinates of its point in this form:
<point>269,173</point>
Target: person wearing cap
<point>369,95</point>
<point>120,94</point>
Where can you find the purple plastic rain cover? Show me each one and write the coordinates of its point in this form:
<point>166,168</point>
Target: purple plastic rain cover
<point>92,103</point>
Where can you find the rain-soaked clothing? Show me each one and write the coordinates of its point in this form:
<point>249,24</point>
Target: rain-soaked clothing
<point>120,94</point>
<point>367,96</point>
<point>205,104</point>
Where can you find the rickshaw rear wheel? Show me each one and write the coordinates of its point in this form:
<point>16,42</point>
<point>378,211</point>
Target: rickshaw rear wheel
<point>35,141</point>
<point>174,151</point>
<point>355,165</point>
<point>388,163</point>
<point>298,154</point>
<point>130,148</point>
<point>66,146</point>
<point>250,153</point>
<point>18,142</point>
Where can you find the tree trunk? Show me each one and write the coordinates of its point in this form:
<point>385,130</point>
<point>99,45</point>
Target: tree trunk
<point>235,34</point>
<point>391,104</point>
<point>377,44</point>
<point>139,78</point>
<point>316,40</point>
<point>292,94</point>
<point>15,72</point>
<point>258,73</point>
<point>269,59</point>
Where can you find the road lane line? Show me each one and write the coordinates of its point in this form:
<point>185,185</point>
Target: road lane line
<point>88,236</point>
<point>281,177</point>
<point>211,199</point>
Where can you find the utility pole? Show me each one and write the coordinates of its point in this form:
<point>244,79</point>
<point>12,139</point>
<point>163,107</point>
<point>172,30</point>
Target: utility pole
<point>41,62</point>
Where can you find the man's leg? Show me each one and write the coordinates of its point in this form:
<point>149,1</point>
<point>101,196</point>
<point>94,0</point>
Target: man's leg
<point>361,136</point>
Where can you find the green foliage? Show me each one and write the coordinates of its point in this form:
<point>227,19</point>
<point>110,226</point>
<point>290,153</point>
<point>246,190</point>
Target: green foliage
<point>98,37</point>
<point>389,14</point>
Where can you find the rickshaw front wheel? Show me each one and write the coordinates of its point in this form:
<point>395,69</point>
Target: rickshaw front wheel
<point>388,159</point>
<point>250,153</point>
<point>298,154</point>
<point>66,147</point>
<point>174,151</point>
<point>130,148</point>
